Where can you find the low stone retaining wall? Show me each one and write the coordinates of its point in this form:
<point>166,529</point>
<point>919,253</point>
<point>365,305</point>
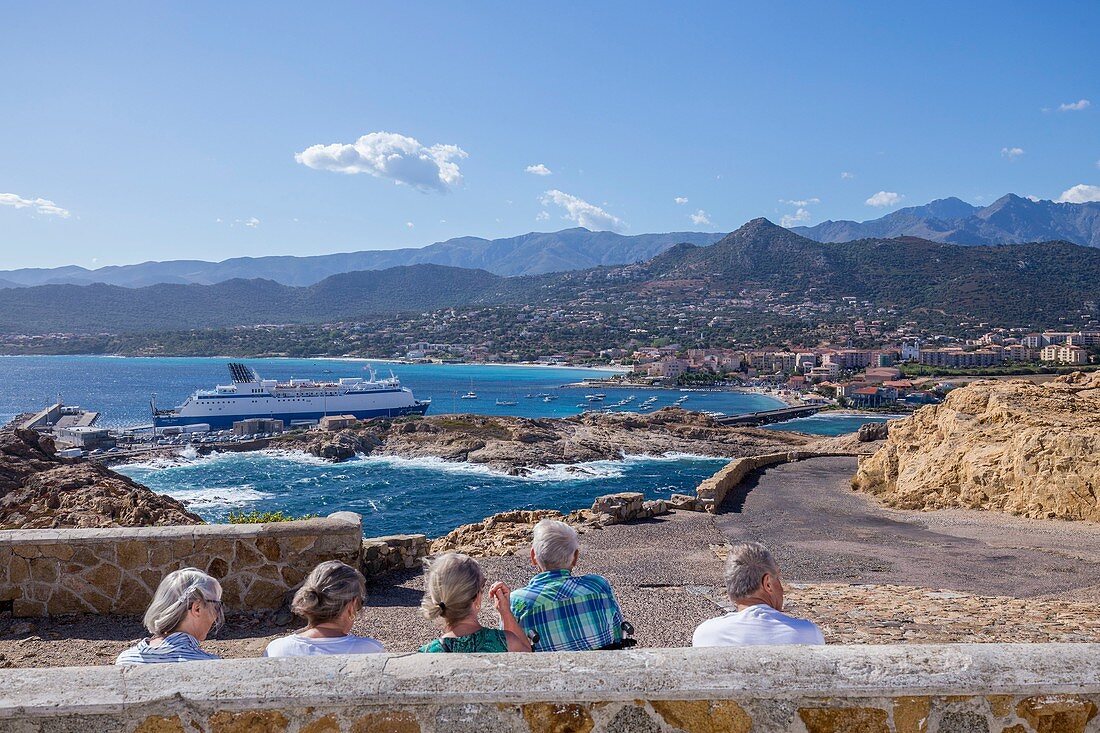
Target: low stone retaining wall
<point>47,572</point>
<point>971,688</point>
<point>713,491</point>
<point>393,552</point>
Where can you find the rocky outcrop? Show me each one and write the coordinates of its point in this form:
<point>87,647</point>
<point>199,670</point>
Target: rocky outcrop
<point>40,490</point>
<point>507,532</point>
<point>1011,446</point>
<point>517,444</point>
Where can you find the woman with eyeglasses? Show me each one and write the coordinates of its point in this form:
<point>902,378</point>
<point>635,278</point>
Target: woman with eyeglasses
<point>186,606</point>
<point>330,600</point>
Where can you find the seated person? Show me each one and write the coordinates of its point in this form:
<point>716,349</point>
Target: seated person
<point>569,613</point>
<point>754,584</point>
<point>185,607</point>
<point>453,599</point>
<point>329,600</point>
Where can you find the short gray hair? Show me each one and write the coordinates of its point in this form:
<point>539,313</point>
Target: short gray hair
<point>554,544</point>
<point>746,567</point>
<point>175,594</point>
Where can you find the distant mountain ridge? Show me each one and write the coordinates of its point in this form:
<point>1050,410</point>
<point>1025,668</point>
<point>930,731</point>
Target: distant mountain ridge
<point>1010,219</point>
<point>527,254</point>
<point>1015,283</point>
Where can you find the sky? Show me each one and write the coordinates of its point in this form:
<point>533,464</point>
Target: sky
<point>207,130</point>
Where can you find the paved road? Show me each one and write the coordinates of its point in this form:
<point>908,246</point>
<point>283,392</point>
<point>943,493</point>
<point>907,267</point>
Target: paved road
<point>820,530</point>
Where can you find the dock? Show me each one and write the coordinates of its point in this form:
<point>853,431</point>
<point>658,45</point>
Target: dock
<point>766,417</point>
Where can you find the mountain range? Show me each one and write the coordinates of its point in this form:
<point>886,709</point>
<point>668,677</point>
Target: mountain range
<point>527,254</point>
<point>1039,282</point>
<point>1010,219</point>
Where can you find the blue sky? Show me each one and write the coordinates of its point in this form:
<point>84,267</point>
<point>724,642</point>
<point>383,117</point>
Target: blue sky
<point>141,131</point>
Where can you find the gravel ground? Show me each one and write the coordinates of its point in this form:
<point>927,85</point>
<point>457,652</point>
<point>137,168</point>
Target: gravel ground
<point>864,573</point>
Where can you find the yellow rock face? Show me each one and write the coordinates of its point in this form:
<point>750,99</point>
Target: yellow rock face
<point>1010,446</point>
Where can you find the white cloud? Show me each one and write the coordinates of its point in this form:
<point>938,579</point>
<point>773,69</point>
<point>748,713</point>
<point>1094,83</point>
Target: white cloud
<point>800,203</point>
<point>700,218</point>
<point>40,206</point>
<point>538,170</point>
<point>1077,106</point>
<point>399,158</point>
<point>583,213</point>
<point>542,216</point>
<point>800,216</point>
<point>1011,153</point>
<point>1080,194</point>
<point>846,176</point>
<point>252,222</point>
<point>409,224</point>
<point>882,199</point>
<point>681,200</point>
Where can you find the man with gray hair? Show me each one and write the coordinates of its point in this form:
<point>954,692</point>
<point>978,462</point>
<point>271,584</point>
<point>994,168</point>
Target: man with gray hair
<point>568,613</point>
<point>754,584</point>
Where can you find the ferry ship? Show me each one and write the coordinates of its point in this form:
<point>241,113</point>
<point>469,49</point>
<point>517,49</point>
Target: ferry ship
<point>296,401</point>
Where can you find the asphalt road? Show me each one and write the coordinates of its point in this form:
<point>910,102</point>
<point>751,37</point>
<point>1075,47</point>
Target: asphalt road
<point>820,530</point>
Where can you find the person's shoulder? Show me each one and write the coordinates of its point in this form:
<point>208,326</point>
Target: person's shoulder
<point>593,582</point>
<point>364,645</point>
<point>808,630</point>
<point>281,647</point>
<point>432,647</point>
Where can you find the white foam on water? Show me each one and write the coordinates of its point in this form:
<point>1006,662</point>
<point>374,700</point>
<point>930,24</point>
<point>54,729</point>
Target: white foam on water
<point>211,498</point>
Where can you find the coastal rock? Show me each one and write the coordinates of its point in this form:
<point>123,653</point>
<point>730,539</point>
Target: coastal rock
<point>517,444</point>
<point>40,490</point>
<point>1011,446</point>
<point>872,431</point>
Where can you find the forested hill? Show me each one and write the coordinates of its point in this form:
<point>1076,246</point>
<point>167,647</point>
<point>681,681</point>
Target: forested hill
<point>114,309</point>
<point>1010,284</point>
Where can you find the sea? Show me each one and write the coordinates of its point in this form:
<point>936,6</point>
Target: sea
<point>393,495</point>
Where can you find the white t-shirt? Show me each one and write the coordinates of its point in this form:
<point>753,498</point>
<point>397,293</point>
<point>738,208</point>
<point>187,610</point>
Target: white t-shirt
<point>759,624</point>
<point>303,646</point>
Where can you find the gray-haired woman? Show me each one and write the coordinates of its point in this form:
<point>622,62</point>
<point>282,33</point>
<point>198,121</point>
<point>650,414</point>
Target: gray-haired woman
<point>329,600</point>
<point>453,599</point>
<point>186,606</point>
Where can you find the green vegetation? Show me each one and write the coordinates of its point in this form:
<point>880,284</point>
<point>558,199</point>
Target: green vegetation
<point>923,370</point>
<point>258,517</point>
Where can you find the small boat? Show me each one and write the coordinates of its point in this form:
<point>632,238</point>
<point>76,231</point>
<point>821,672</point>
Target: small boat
<point>471,395</point>
<point>528,397</point>
<point>507,403</point>
<point>547,399</point>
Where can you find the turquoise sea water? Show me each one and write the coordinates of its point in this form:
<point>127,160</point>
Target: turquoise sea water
<point>829,423</point>
<point>393,495</point>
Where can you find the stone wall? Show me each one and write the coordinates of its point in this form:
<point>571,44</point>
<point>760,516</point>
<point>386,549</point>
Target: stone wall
<point>968,688</point>
<point>46,572</point>
<point>393,552</point>
<point>713,491</point>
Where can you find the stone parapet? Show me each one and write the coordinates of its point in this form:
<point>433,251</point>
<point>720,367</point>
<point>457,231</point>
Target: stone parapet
<point>394,552</point>
<point>879,689</point>
<point>47,572</point>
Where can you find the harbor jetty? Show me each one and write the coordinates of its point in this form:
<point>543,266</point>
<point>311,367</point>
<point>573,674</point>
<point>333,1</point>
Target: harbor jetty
<point>767,417</point>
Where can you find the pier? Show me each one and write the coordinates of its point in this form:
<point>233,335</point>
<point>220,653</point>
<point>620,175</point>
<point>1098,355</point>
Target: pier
<point>766,417</point>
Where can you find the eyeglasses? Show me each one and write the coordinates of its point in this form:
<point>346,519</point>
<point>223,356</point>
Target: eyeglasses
<point>218,605</point>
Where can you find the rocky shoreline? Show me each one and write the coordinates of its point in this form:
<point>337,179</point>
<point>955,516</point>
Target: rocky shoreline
<point>40,490</point>
<point>516,445</point>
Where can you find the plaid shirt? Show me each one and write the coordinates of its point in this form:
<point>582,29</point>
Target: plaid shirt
<point>570,614</point>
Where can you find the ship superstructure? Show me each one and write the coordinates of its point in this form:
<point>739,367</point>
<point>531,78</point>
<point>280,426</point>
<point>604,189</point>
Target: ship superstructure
<point>296,400</point>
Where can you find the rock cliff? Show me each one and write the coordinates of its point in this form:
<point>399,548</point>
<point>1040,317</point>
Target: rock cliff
<point>39,490</point>
<point>1011,446</point>
<point>515,444</point>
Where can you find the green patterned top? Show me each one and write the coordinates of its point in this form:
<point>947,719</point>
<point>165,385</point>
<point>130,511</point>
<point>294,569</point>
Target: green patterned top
<point>484,640</point>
